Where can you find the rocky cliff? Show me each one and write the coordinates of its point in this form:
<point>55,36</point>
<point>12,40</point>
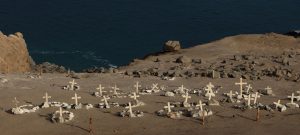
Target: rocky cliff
<point>14,56</point>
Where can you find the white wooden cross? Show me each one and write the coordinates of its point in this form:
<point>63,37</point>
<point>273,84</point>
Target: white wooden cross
<point>248,88</point>
<point>210,85</point>
<point>130,109</point>
<point>135,96</point>
<point>186,96</point>
<point>100,88</point>
<point>73,83</point>
<point>137,86</point>
<point>255,97</point>
<point>249,99</point>
<point>76,98</point>
<point>241,83</point>
<point>46,97</point>
<point>231,95</point>
<point>209,92</point>
<point>105,99</point>
<point>200,105</point>
<point>115,90</point>
<point>155,86</point>
<point>169,106</point>
<point>292,98</point>
<point>16,102</point>
<point>268,88</point>
<point>61,118</point>
<point>277,103</point>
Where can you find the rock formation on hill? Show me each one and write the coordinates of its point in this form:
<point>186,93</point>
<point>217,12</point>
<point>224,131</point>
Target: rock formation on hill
<point>254,57</point>
<point>14,56</point>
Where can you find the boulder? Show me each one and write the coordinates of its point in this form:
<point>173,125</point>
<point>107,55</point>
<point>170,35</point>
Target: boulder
<point>184,60</point>
<point>171,46</point>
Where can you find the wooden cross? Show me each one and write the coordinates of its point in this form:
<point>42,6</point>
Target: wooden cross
<point>135,96</point>
<point>268,88</point>
<point>255,97</point>
<point>210,85</point>
<point>46,97</point>
<point>155,86</point>
<point>115,88</point>
<point>277,104</point>
<point>16,102</point>
<point>169,106</point>
<point>76,98</point>
<point>186,96</point>
<point>105,99</point>
<point>241,83</point>
<point>249,99</point>
<point>130,109</point>
<point>73,83</point>
<point>100,88</point>
<point>137,86</point>
<point>61,118</point>
<point>231,94</point>
<point>248,88</point>
<point>292,98</point>
<point>200,105</point>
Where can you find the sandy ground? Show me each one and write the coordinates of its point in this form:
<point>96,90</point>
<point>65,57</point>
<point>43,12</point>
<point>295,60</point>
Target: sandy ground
<point>225,120</point>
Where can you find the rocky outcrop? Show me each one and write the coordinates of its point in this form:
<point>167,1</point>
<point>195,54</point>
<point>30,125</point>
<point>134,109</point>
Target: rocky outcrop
<point>14,56</point>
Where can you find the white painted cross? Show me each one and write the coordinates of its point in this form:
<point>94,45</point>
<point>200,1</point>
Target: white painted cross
<point>249,99</point>
<point>210,85</point>
<point>73,83</point>
<point>248,88</point>
<point>255,97</point>
<point>137,86</point>
<point>46,97</point>
<point>231,95</point>
<point>241,83</point>
<point>268,88</point>
<point>186,96</point>
<point>105,99</point>
<point>277,103</point>
<point>135,96</point>
<point>130,109</point>
<point>16,102</point>
<point>115,88</point>
<point>292,98</point>
<point>61,118</point>
<point>100,88</point>
<point>155,86</point>
<point>169,106</point>
<point>200,105</point>
<point>76,98</point>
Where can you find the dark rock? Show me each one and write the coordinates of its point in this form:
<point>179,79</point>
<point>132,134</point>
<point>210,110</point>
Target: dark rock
<point>47,67</point>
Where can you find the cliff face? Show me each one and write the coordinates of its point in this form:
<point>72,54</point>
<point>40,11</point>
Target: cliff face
<point>14,56</point>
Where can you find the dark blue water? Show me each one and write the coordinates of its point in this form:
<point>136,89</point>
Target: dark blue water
<point>85,33</point>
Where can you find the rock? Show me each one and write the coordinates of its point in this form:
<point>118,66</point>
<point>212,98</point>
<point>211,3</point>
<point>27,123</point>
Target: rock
<point>14,56</point>
<point>266,92</point>
<point>184,60</point>
<point>171,46</point>
<point>48,67</point>
<point>292,105</point>
<point>169,94</point>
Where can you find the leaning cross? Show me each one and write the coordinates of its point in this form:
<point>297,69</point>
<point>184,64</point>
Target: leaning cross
<point>248,88</point>
<point>100,88</point>
<point>76,98</point>
<point>169,107</point>
<point>249,99</point>
<point>46,97</point>
<point>73,83</point>
<point>105,100</point>
<point>61,118</point>
<point>210,85</point>
<point>277,103</point>
<point>241,83</point>
<point>155,86</point>
<point>16,102</point>
<point>130,109</point>
<point>137,86</point>
<point>186,96</point>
